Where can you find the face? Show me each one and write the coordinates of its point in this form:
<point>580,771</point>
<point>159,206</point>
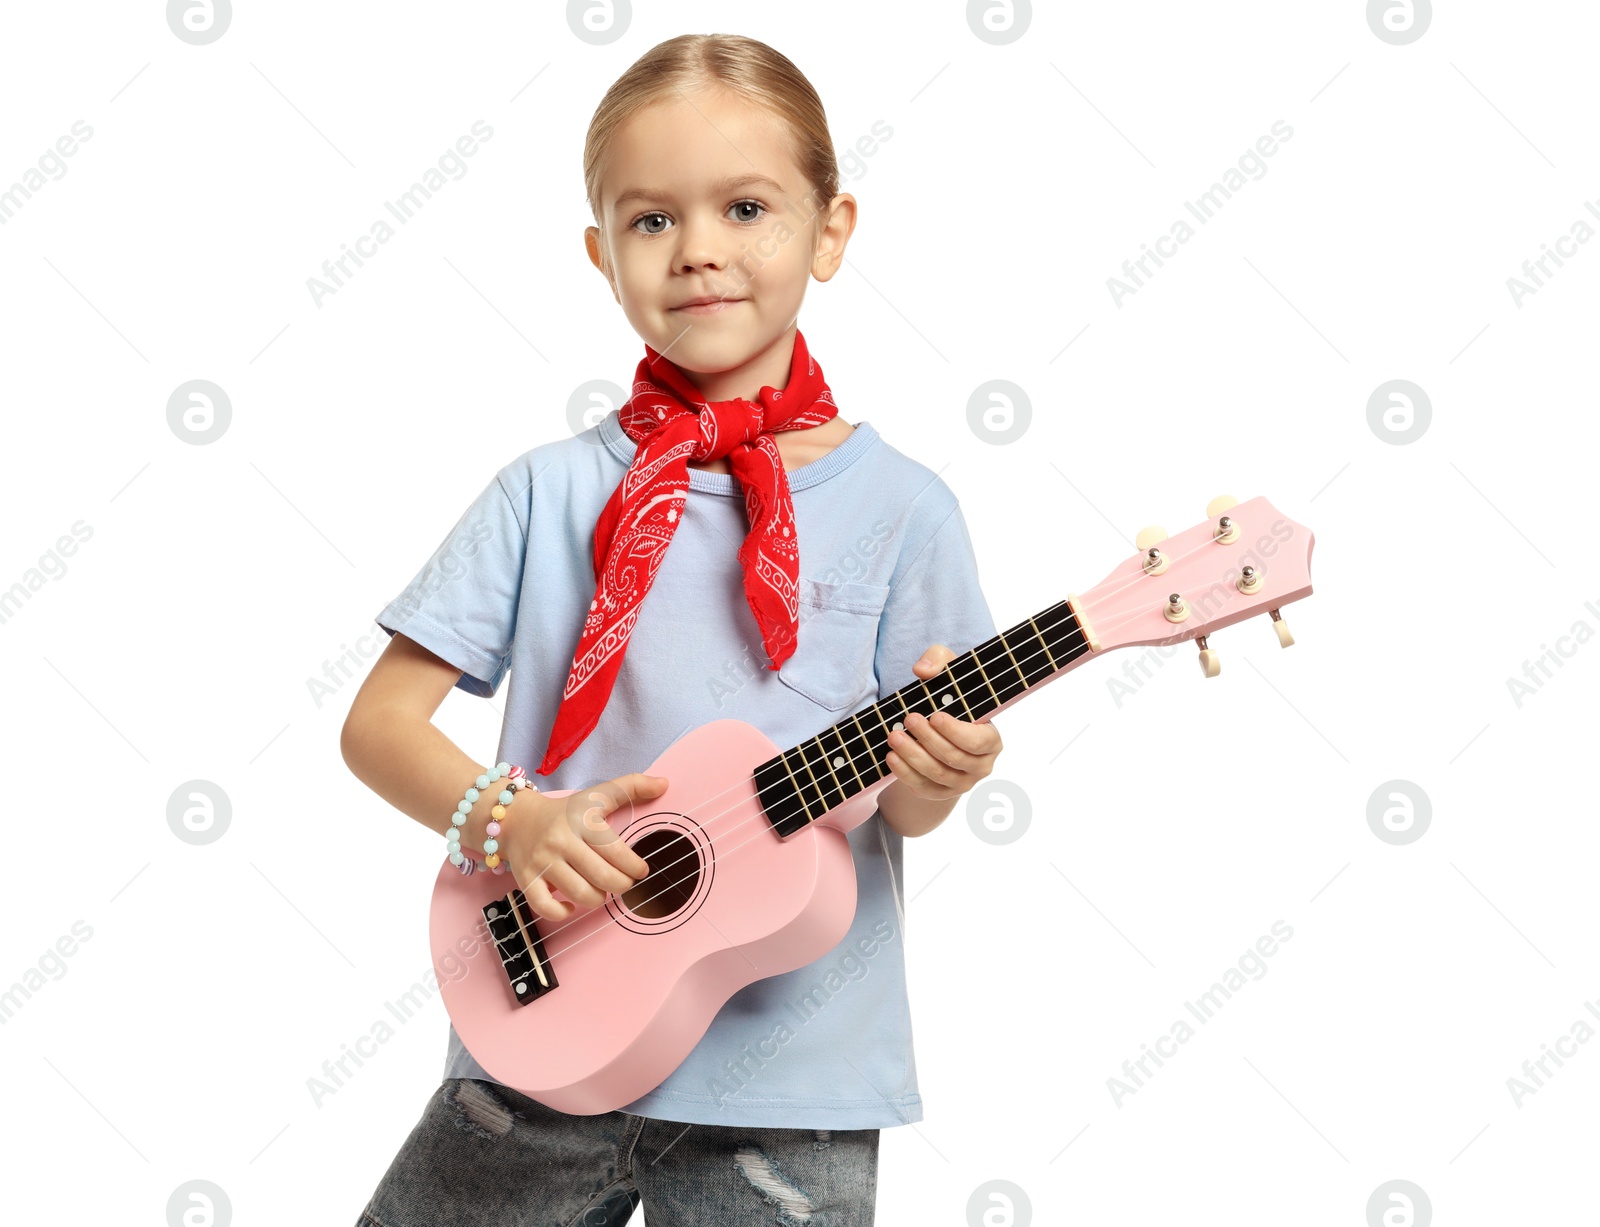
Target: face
<point>701,198</point>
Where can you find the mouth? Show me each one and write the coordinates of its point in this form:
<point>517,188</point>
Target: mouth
<point>707,306</point>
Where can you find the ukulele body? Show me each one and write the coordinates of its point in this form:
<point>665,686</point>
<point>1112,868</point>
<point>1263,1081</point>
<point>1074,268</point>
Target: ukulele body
<point>638,979</point>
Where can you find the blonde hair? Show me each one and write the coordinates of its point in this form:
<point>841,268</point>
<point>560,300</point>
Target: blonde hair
<point>746,67</point>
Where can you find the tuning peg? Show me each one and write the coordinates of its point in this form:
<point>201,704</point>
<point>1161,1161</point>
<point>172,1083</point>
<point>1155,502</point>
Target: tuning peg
<point>1210,662</point>
<point>1249,581</point>
<point>1218,505</point>
<point>1154,535</point>
<point>1285,639</point>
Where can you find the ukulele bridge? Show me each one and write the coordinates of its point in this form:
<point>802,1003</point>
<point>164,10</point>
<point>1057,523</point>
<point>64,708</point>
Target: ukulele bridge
<point>523,958</point>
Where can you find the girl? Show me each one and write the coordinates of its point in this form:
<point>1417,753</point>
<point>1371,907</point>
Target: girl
<point>652,574</point>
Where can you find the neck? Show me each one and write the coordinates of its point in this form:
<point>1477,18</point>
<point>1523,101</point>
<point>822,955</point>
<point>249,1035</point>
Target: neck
<point>767,368</point>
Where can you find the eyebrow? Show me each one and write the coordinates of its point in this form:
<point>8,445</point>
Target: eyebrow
<point>722,185</point>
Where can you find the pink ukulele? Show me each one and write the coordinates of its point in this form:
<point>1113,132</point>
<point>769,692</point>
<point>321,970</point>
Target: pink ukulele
<point>751,873</point>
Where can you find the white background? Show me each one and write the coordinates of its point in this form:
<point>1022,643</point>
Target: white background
<point>181,639</point>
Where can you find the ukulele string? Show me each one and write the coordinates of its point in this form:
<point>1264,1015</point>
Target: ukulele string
<point>852,759</point>
<point>849,743</point>
<point>725,853</point>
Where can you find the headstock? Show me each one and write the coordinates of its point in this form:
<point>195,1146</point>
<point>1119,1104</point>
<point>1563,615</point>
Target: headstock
<point>1246,558</point>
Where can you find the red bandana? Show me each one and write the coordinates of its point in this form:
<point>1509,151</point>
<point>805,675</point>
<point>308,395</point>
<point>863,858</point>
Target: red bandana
<point>673,423</point>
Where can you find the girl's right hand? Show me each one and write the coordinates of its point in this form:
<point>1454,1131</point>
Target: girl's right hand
<point>566,843</point>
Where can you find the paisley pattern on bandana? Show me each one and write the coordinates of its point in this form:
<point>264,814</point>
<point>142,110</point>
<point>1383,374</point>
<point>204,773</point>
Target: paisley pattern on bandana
<point>673,424</point>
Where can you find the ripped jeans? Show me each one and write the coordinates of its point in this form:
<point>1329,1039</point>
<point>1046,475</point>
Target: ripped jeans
<point>486,1155</point>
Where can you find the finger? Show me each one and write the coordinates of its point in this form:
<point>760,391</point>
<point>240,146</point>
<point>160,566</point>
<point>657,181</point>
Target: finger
<point>592,820</point>
<point>915,780</point>
<point>977,739</point>
<point>931,741</point>
<point>595,829</point>
<point>637,786</point>
<point>621,855</point>
<point>537,892</point>
<point>598,869</point>
<point>935,658</point>
<point>590,808</point>
<point>569,882</point>
<point>917,756</point>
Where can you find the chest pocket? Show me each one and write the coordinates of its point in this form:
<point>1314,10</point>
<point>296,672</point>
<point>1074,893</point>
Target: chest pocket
<point>838,636</point>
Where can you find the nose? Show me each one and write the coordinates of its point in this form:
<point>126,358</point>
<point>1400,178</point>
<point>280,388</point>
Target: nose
<point>699,245</point>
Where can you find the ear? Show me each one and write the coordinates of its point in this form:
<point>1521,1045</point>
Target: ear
<point>597,257</point>
<point>834,227</point>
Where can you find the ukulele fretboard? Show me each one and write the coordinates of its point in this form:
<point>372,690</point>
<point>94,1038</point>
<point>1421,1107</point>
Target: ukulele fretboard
<point>805,782</point>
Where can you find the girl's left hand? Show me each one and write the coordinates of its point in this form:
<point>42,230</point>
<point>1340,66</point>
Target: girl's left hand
<point>942,758</point>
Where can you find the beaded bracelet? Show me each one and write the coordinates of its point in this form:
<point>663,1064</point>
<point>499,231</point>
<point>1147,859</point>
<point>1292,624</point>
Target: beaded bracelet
<point>516,780</point>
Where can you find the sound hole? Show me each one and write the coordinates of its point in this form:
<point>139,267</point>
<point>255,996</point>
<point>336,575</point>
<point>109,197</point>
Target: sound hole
<point>674,872</point>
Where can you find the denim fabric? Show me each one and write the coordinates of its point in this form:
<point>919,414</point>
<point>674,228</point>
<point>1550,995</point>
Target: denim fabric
<point>486,1155</point>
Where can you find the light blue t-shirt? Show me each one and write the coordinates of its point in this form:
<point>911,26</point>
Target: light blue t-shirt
<point>886,570</point>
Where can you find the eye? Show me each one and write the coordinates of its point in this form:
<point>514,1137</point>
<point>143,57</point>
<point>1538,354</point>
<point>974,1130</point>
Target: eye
<point>760,211</point>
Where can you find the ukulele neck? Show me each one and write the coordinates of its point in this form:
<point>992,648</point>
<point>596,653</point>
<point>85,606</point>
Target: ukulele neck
<point>800,785</point>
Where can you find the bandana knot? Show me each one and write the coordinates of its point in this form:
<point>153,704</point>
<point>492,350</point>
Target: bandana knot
<point>673,423</point>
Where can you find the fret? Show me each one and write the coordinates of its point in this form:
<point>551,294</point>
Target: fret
<point>1045,645</point>
<point>996,661</point>
<point>822,772</point>
<point>882,714</point>
<point>977,663</point>
<point>779,793</point>
<point>834,790</point>
<point>955,685</point>
<point>797,783</point>
<point>782,796</point>
<point>878,746</point>
<point>1061,634</point>
<point>812,791</point>
<point>845,763</point>
<point>967,676</point>
<point>1023,648</point>
<point>898,719</point>
<point>911,701</point>
<point>941,690</point>
<point>868,754</point>
<point>891,719</point>
<point>1013,657</point>
<point>1034,656</point>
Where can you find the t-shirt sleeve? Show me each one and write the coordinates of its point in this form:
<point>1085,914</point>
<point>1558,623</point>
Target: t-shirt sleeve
<point>462,604</point>
<point>936,599</point>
